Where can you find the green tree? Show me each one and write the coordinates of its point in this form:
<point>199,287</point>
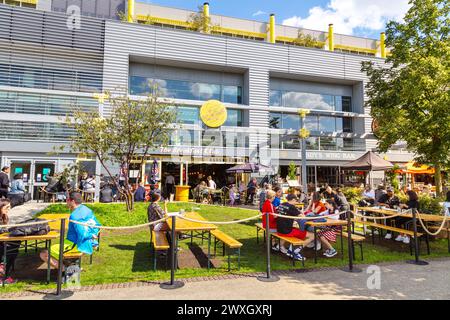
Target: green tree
<point>292,171</point>
<point>307,41</point>
<point>129,134</point>
<point>199,21</point>
<point>409,94</point>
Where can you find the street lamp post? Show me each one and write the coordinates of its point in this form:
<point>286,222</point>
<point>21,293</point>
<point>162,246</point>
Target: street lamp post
<point>303,135</point>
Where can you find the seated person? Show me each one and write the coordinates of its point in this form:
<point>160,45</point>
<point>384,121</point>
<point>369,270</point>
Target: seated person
<point>13,247</point>
<point>155,213</point>
<point>447,204</point>
<point>285,227</point>
<point>315,206</point>
<point>389,200</point>
<point>368,196</point>
<point>234,195</point>
<point>52,184</point>
<point>17,185</point>
<point>106,194</point>
<point>80,238</point>
<point>89,185</point>
<point>139,194</point>
<point>328,233</point>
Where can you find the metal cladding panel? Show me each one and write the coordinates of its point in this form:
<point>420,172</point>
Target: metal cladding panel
<point>49,28</point>
<point>259,87</point>
<point>196,47</point>
<point>247,53</point>
<point>259,118</point>
<point>316,62</point>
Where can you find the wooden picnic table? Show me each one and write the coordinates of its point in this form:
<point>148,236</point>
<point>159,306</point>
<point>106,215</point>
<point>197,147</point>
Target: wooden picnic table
<point>328,223</point>
<point>391,212</point>
<point>46,238</point>
<point>56,225</point>
<point>183,226</point>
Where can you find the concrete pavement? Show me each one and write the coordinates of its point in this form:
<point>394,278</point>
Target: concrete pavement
<point>396,281</point>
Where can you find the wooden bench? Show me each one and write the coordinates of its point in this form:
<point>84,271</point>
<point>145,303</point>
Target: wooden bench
<point>228,242</point>
<point>295,242</point>
<point>355,239</point>
<point>159,242</point>
<point>381,227</point>
<point>259,227</point>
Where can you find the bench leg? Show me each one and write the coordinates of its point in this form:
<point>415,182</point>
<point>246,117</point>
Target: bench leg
<point>90,258</point>
<point>361,247</point>
<point>215,246</point>
<point>154,258</point>
<point>342,245</point>
<point>373,235</point>
<point>257,237</point>
<point>167,259</point>
<point>229,267</point>
<point>410,247</point>
<point>427,240</point>
<point>26,246</point>
<point>239,259</point>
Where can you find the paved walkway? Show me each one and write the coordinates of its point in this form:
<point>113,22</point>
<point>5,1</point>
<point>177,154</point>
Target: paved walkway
<point>26,211</point>
<point>398,281</point>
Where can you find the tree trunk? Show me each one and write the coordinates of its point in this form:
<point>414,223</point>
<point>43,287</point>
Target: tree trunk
<point>438,179</point>
<point>129,199</point>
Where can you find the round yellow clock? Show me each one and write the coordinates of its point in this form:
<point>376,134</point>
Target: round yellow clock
<point>213,113</point>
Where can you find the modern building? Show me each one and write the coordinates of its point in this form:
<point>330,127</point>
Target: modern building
<point>52,59</point>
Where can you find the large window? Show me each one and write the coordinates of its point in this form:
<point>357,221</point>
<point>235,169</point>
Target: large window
<point>178,89</point>
<point>279,120</point>
<point>314,101</point>
<point>52,79</point>
<point>191,115</point>
<point>292,142</point>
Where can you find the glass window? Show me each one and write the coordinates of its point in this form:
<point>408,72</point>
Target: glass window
<point>347,124</point>
<point>347,104</point>
<point>312,143</point>
<point>311,123</point>
<point>339,125</point>
<point>291,121</point>
<point>275,120</point>
<point>291,143</point>
<point>275,98</point>
<point>232,94</point>
<point>138,86</point>
<point>234,118</point>
<point>327,143</point>
<point>327,124</point>
<point>188,115</point>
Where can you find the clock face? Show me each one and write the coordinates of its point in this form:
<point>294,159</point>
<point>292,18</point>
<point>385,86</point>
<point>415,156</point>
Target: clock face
<point>213,113</point>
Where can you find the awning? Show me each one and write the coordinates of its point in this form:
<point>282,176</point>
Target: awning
<point>370,161</point>
<point>416,168</point>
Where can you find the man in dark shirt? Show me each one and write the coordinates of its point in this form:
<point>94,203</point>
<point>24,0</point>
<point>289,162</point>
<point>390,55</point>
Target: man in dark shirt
<point>329,194</point>
<point>389,200</point>
<point>139,195</point>
<point>285,226</point>
<point>4,182</point>
<point>106,194</point>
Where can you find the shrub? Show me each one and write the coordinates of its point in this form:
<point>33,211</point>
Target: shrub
<point>353,194</point>
<point>429,205</point>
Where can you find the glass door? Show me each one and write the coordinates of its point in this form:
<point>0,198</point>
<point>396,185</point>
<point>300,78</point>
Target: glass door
<point>42,171</point>
<point>24,168</point>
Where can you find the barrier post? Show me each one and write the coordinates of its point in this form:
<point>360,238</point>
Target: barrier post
<point>350,267</point>
<point>416,261</point>
<point>172,284</point>
<point>269,277</point>
<point>60,257</point>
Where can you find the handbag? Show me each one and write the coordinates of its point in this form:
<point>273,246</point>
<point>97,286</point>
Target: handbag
<point>33,230</point>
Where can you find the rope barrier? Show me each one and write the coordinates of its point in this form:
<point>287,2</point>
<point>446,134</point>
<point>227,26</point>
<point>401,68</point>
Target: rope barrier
<point>380,218</point>
<point>120,228</point>
<point>221,222</point>
<point>7,226</point>
<point>428,231</point>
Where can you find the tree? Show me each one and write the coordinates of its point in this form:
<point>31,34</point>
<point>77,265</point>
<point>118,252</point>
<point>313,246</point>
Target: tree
<point>199,21</point>
<point>307,41</point>
<point>409,94</point>
<point>128,135</point>
<point>292,171</point>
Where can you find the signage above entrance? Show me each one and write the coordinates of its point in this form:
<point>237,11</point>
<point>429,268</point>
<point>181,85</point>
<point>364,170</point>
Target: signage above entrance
<point>213,113</point>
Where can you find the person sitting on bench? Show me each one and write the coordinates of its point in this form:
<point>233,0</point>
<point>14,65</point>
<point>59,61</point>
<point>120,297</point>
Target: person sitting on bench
<point>80,238</point>
<point>389,200</point>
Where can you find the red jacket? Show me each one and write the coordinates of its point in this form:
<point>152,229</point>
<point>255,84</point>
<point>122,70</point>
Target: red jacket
<point>268,207</point>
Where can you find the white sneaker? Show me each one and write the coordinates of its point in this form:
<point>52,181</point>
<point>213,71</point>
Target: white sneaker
<point>319,246</point>
<point>400,238</point>
<point>388,236</point>
<point>276,247</point>
<point>310,245</point>
<point>283,250</point>
<point>406,240</point>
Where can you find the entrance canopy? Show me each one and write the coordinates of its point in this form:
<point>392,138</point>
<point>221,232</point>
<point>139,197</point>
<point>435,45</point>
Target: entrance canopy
<point>415,168</point>
<point>250,168</point>
<point>368,162</point>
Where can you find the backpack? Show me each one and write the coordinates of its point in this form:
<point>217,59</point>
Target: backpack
<point>33,230</point>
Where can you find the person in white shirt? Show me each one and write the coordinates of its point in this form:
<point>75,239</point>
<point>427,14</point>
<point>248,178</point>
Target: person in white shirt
<point>369,195</point>
<point>447,204</point>
<point>211,184</point>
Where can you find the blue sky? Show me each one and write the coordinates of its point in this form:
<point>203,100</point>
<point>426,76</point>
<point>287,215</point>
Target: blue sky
<point>365,18</point>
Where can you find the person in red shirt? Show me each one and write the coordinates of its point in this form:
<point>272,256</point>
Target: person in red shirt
<point>315,205</point>
<point>269,208</point>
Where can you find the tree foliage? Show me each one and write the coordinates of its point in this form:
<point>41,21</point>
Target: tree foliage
<point>292,171</point>
<point>307,40</point>
<point>199,21</point>
<point>409,94</point>
<point>133,129</point>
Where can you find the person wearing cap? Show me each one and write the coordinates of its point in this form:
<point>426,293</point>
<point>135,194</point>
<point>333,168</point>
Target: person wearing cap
<point>391,201</point>
<point>155,212</point>
<point>4,182</point>
<point>381,190</point>
<point>285,227</point>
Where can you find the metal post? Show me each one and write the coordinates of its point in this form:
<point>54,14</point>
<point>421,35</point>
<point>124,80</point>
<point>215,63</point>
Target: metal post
<point>269,277</point>
<point>304,169</point>
<point>173,284</point>
<point>416,261</point>
<point>350,267</point>
<point>61,256</point>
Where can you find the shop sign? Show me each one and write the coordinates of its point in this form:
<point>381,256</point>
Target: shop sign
<point>213,113</point>
<point>339,156</point>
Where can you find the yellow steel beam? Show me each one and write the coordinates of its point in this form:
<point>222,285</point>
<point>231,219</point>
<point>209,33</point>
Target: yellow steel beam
<point>272,29</point>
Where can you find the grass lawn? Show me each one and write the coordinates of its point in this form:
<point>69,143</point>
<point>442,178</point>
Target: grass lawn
<point>125,255</point>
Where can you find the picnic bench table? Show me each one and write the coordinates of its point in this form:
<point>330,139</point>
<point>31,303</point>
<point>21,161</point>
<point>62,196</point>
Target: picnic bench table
<point>183,226</point>
<point>46,238</point>
<point>328,223</point>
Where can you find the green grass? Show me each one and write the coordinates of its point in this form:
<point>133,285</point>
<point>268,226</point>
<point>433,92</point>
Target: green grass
<point>125,255</point>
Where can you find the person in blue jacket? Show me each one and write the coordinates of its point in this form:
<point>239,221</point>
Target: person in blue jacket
<point>80,238</point>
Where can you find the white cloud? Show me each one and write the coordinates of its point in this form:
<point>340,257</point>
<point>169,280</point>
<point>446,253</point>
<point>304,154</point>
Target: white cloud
<point>347,15</point>
<point>259,13</point>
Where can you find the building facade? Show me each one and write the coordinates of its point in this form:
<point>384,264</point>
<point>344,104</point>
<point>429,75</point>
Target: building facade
<point>51,60</point>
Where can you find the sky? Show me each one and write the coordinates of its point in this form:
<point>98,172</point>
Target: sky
<point>365,18</point>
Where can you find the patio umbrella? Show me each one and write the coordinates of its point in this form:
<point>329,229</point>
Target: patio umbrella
<point>415,168</point>
<point>370,161</point>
